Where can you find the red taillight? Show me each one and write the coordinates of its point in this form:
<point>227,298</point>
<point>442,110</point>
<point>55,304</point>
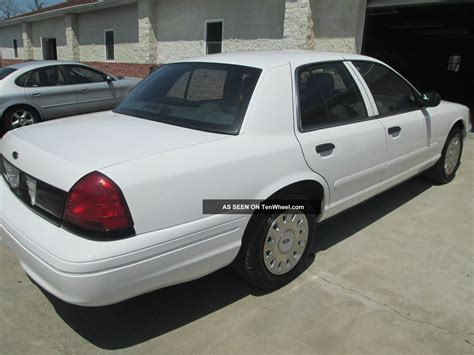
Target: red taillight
<point>95,203</point>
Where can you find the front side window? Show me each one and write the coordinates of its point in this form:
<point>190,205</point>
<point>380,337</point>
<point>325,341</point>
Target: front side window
<point>328,96</point>
<point>392,94</point>
<point>85,75</point>
<point>49,76</point>
<point>204,96</point>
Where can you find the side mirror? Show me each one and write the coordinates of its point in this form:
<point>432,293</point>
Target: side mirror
<point>430,99</point>
<point>109,79</point>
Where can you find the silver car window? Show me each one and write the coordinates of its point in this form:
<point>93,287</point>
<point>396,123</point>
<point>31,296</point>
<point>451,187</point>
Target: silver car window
<point>49,76</point>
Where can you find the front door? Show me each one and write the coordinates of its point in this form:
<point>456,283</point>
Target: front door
<point>407,127</point>
<point>340,141</point>
<point>94,91</point>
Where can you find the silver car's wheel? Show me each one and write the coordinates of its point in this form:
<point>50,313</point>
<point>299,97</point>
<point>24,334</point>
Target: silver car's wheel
<point>452,156</point>
<point>21,118</point>
<point>17,117</point>
<point>285,242</point>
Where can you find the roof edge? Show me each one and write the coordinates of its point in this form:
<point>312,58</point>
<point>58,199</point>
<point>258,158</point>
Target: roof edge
<point>57,12</point>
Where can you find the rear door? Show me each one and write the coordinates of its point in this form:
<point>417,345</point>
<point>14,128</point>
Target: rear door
<point>49,90</point>
<point>94,91</point>
<point>339,138</point>
<point>407,126</point>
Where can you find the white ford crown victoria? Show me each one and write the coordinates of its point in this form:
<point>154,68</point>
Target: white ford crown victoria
<point>103,207</point>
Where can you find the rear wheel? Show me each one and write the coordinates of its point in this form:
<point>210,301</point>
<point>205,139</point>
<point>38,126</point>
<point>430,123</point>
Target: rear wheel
<point>275,247</point>
<point>445,169</point>
<point>19,116</point>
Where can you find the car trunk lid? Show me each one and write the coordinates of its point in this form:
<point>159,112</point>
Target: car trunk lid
<point>61,152</point>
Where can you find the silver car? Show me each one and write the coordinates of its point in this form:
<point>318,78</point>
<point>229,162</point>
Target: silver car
<point>36,91</point>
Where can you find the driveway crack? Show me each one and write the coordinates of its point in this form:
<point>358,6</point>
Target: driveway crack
<point>393,309</point>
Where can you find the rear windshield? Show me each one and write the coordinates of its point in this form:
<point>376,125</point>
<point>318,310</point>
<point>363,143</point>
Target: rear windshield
<point>204,96</point>
<point>4,72</point>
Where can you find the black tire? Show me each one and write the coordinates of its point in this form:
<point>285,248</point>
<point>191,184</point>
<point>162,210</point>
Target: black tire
<point>250,260</point>
<point>7,118</point>
<point>437,173</point>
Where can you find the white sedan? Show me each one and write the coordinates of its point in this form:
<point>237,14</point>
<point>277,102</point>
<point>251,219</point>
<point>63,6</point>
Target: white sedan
<point>219,160</point>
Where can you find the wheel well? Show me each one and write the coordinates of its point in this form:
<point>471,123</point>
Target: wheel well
<point>21,105</point>
<point>460,124</point>
<point>306,189</point>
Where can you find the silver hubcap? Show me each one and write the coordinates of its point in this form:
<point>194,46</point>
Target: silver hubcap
<point>285,242</point>
<point>21,118</point>
<point>452,155</point>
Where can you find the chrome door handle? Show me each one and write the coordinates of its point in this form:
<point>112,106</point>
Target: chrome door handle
<point>36,94</point>
<point>325,147</point>
<point>85,90</point>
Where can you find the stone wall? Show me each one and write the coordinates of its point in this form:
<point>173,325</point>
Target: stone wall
<point>248,25</point>
<point>91,34</point>
<point>7,35</point>
<point>54,28</point>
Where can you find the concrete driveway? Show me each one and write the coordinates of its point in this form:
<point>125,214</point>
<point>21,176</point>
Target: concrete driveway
<point>394,275</point>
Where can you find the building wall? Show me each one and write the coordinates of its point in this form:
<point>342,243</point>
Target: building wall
<point>49,28</point>
<point>151,32</point>
<point>336,24</point>
<point>91,37</point>
<point>7,35</point>
<point>248,24</point>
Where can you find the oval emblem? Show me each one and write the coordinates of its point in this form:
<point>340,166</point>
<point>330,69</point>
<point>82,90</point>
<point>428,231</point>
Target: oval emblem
<point>15,155</point>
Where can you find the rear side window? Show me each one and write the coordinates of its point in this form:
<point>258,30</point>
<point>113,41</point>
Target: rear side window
<point>49,76</point>
<point>203,96</point>
<point>4,72</point>
<point>21,81</point>
<point>328,96</point>
<point>392,94</point>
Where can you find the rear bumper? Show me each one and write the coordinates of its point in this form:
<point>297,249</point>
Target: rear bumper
<point>115,285</point>
<point>103,281</point>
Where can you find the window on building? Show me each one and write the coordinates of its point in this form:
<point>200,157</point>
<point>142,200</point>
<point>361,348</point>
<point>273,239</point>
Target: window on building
<point>328,96</point>
<point>392,94</point>
<point>454,63</point>
<point>214,30</point>
<point>109,45</point>
<point>15,48</point>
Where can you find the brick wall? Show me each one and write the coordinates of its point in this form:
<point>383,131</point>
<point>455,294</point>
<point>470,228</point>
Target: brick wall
<point>7,62</point>
<point>123,69</point>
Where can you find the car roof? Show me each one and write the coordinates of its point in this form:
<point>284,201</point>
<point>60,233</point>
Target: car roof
<point>39,64</point>
<point>271,59</point>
